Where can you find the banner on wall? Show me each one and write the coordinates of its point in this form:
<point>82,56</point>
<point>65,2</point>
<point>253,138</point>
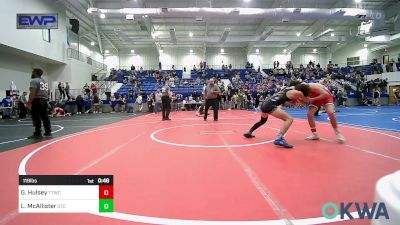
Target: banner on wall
<point>37,21</point>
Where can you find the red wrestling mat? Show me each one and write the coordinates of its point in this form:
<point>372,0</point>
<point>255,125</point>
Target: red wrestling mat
<point>187,171</point>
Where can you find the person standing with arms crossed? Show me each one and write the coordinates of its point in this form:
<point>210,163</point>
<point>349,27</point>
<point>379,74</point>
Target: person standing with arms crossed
<point>39,93</point>
<point>166,101</point>
<point>211,93</point>
<point>67,90</point>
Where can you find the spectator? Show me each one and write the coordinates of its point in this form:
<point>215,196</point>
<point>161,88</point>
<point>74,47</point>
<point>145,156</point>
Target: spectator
<point>377,96</point>
<point>96,103</point>
<point>79,103</point>
<point>93,87</point>
<point>122,103</point>
<point>139,101</point>
<point>158,102</point>
<point>8,103</point>
<point>397,96</point>
<point>86,88</point>
<point>67,90</point>
<point>61,90</point>
<point>150,103</point>
<point>22,105</point>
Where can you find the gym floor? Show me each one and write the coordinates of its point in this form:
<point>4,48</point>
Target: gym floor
<point>188,171</point>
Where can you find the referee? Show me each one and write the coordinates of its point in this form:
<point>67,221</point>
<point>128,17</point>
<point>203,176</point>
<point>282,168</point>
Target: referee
<point>39,93</point>
<point>166,102</point>
<point>211,93</point>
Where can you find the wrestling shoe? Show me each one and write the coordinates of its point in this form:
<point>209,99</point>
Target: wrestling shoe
<point>313,137</point>
<point>35,136</point>
<point>249,135</point>
<point>282,142</point>
<point>340,138</point>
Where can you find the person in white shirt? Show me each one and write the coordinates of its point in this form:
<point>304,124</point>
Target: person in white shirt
<point>139,101</point>
<point>158,101</point>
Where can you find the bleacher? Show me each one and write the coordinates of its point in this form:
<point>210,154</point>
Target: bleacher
<point>150,85</point>
<point>224,74</point>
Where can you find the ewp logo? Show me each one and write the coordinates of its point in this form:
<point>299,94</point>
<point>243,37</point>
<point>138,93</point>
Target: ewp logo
<point>37,21</point>
<point>377,210</point>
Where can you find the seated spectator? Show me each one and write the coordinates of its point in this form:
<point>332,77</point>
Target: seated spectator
<point>7,103</point>
<point>122,103</point>
<point>86,88</point>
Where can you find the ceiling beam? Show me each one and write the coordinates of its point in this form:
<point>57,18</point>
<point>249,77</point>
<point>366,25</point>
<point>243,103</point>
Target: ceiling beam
<point>250,48</point>
<point>317,25</point>
<point>96,28</point>
<point>204,50</point>
<point>293,46</point>
<point>261,26</point>
<point>109,41</point>
<point>83,17</point>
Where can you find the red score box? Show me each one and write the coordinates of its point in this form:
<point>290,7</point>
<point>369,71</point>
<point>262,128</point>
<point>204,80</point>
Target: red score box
<point>106,192</point>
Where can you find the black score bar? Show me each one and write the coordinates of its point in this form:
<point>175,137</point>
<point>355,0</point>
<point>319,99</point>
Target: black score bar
<point>66,179</point>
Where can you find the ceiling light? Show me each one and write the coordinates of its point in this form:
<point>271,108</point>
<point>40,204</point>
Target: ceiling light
<point>314,50</point>
<point>106,51</point>
<point>190,34</point>
<point>358,1</point>
<point>298,34</point>
<point>191,50</point>
<point>247,0</point>
<point>92,43</point>
<point>332,34</point>
<point>102,15</point>
<point>257,50</point>
<point>132,51</point>
<point>130,17</point>
<point>284,50</point>
<point>92,10</point>
<point>365,45</point>
<point>222,50</point>
<point>161,51</point>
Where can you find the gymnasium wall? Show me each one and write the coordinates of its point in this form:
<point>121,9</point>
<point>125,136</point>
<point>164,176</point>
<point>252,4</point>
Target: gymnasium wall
<point>180,57</point>
<point>366,55</point>
<point>31,40</point>
<point>305,55</point>
<point>16,69</point>
<point>235,56</point>
<point>141,56</point>
<point>29,50</point>
<point>266,57</point>
<point>354,49</point>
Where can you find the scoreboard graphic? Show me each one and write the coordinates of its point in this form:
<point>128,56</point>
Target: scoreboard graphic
<point>66,194</point>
